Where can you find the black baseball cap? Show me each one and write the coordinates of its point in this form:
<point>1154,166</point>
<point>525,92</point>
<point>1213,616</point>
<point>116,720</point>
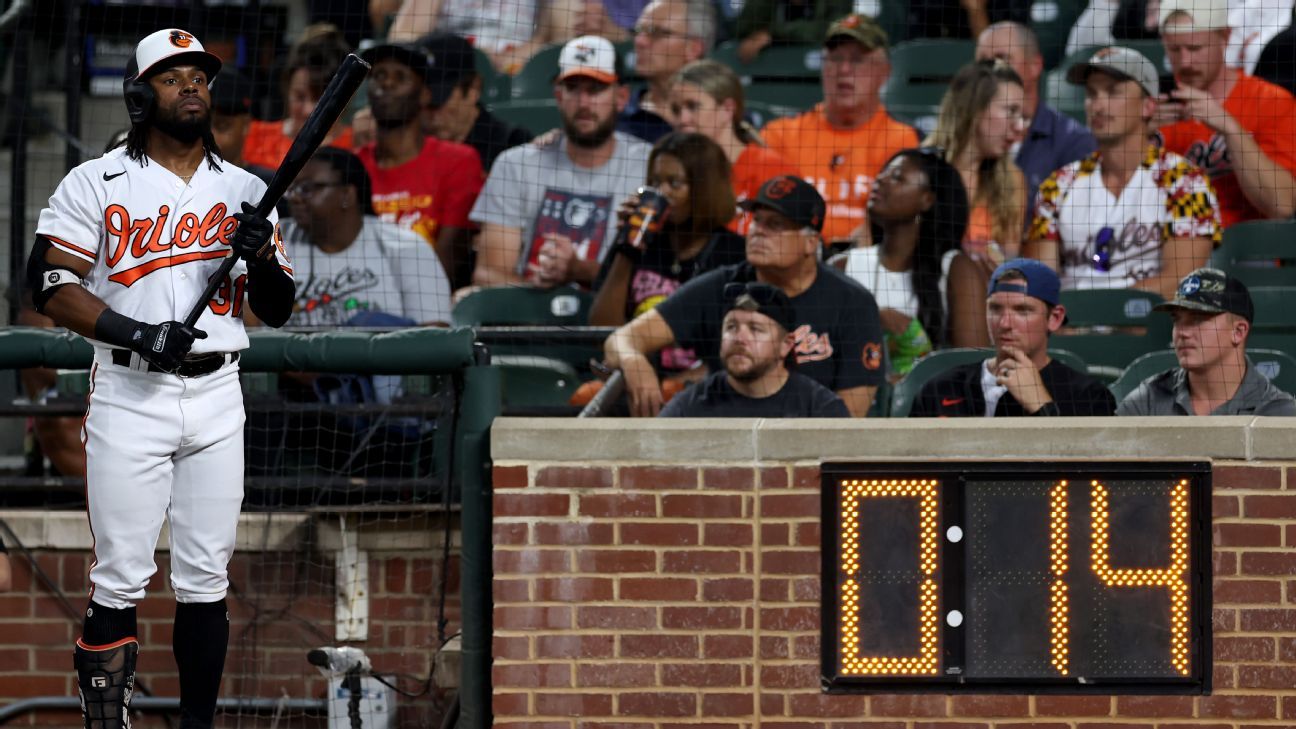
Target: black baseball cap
<point>1212,291</point>
<point>232,94</point>
<point>407,54</point>
<point>450,57</point>
<point>762,297</point>
<point>793,198</point>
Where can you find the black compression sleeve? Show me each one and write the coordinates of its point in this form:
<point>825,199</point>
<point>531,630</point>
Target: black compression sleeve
<point>270,293</point>
<point>118,329</point>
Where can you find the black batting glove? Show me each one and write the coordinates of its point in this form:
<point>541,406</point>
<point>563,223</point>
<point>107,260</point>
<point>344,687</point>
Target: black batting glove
<point>252,237</point>
<point>165,345</point>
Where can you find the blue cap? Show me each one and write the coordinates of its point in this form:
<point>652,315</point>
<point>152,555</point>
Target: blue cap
<point>1041,282</point>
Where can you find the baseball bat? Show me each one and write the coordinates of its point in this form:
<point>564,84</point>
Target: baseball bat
<point>331,104</point>
<point>604,398</point>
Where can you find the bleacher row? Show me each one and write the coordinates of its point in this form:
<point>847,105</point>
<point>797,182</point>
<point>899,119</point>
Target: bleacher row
<point>785,80</point>
<point>1111,333</point>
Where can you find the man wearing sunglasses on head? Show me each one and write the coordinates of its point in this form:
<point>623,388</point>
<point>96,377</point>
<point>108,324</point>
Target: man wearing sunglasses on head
<point>756,344</point>
<point>1131,215</point>
<point>837,331</point>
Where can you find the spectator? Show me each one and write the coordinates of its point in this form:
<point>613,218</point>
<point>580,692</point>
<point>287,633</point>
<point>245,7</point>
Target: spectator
<point>842,143</point>
<point>312,63</point>
<point>456,113</point>
<point>1254,22</point>
<point>231,112</point>
<point>981,118</point>
<point>918,209</point>
<point>1131,215</point>
<point>838,335</point>
<point>497,28</point>
<point>1020,379</point>
<point>756,342</point>
<point>690,171</point>
<point>707,98</point>
<point>419,182</point>
<point>1277,63</point>
<point>1052,140</point>
<point>1212,318</point>
<point>762,23</point>
<point>547,210</point>
<point>348,263</point>
<point>1239,129</point>
<point>668,35</point>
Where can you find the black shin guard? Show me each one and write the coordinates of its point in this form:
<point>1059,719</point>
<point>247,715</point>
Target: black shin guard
<point>199,641</point>
<point>105,681</point>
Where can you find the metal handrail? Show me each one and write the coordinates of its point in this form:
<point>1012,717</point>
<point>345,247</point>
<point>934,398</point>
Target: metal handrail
<point>163,704</point>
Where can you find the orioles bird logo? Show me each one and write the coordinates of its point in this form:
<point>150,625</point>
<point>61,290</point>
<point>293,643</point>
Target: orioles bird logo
<point>779,187</point>
<point>181,39</point>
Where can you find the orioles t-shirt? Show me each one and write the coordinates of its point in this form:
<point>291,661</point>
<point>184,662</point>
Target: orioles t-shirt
<point>1267,113</point>
<point>434,190</point>
<point>838,332</point>
<point>840,163</point>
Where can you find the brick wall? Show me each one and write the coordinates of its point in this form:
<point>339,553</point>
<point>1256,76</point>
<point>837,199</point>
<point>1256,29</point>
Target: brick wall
<point>281,605</point>
<point>644,596</point>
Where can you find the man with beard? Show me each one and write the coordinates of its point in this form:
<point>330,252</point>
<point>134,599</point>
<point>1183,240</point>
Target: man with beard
<point>1239,129</point>
<point>548,211</point>
<point>131,238</point>
<point>756,340</point>
<point>419,182</point>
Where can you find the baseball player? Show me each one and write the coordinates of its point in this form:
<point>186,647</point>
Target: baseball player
<point>122,252</point>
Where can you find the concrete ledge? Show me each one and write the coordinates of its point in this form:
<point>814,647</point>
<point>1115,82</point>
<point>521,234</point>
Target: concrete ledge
<point>1236,438</point>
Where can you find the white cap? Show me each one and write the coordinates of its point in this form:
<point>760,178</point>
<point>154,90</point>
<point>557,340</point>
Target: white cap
<point>1205,14</point>
<point>591,56</point>
<point>166,45</point>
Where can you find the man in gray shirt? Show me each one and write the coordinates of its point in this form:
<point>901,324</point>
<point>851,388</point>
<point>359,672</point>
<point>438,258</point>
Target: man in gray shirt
<point>1212,317</point>
<point>548,211</point>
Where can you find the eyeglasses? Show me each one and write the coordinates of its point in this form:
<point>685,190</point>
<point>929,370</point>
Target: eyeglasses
<point>656,32</point>
<point>308,189</point>
<point>1102,249</point>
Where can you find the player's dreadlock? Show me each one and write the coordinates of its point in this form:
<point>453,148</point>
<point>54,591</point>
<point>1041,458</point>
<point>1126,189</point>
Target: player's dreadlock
<point>137,138</point>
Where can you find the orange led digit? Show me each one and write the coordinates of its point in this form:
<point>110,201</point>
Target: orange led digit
<point>1059,607</point>
<point>853,494</point>
<point>1174,577</point>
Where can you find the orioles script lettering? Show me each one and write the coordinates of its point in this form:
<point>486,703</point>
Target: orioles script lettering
<point>142,236</point>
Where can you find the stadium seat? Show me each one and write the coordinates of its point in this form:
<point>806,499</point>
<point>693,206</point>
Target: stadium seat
<point>525,305</point>
<point>779,62</point>
<point>1274,326</point>
<point>1052,20</point>
<point>1259,253</point>
<point>1279,367</point>
<point>933,365</point>
<point>535,115</point>
<point>920,73</point>
<point>1109,328</point>
<point>495,85</point>
<point>530,381</point>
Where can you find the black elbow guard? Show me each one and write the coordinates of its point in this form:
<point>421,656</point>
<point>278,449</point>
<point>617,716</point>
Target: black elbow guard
<point>44,279</point>
<point>270,293</point>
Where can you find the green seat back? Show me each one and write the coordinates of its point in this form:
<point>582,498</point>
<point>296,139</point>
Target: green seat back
<point>495,85</point>
<point>1052,20</point>
<point>1259,253</point>
<point>529,381</point>
<point>778,62</point>
<point>535,79</point>
<point>920,73</point>
<point>1274,307</point>
<point>1109,328</point>
<point>535,115</point>
<point>783,99</point>
<point>528,306</point>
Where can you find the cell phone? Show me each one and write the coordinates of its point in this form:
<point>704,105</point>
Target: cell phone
<point>1168,84</point>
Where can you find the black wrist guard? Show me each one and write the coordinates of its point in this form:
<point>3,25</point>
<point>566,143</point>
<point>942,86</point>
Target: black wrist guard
<point>119,330</point>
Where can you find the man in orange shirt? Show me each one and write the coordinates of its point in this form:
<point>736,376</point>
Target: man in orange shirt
<point>1239,129</point>
<point>841,144</point>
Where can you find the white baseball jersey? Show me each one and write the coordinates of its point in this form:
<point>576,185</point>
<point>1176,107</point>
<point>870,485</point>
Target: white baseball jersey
<point>153,241</point>
<point>1168,197</point>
